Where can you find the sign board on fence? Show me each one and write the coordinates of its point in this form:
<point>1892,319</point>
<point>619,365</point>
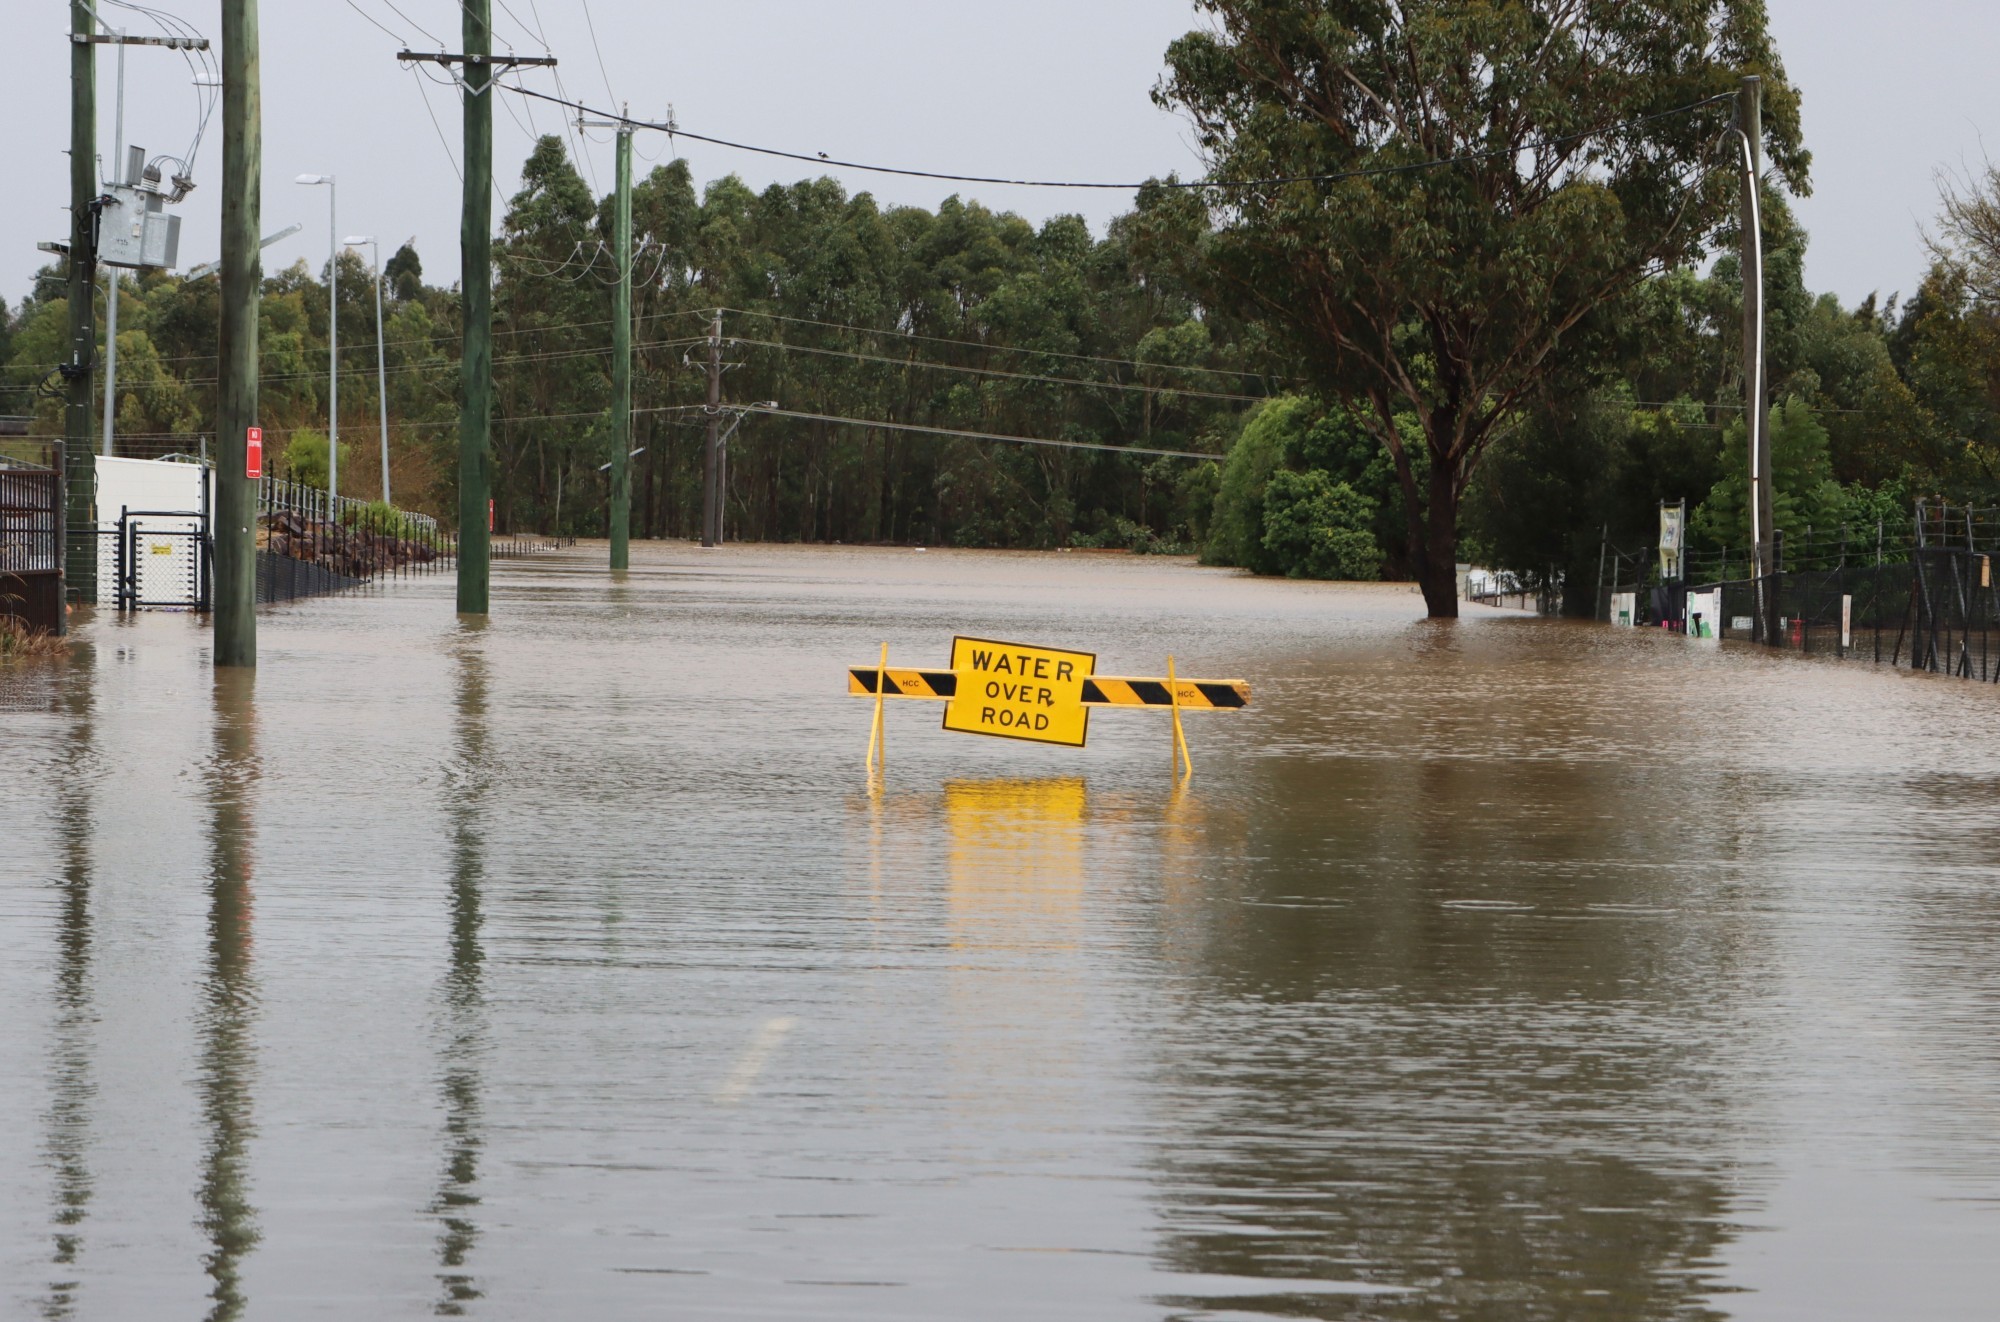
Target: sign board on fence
<point>253,453</point>
<point>1624,609</point>
<point>1015,692</point>
<point>1704,613</point>
<point>1670,541</point>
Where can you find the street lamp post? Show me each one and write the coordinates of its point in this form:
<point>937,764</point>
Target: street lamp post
<point>332,335</point>
<point>381,363</point>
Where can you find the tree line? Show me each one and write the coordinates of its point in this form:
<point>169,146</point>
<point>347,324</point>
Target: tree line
<point>1459,284</point>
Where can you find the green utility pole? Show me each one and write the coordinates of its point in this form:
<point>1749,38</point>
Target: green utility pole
<point>621,366</point>
<point>475,247</point>
<point>711,452</point>
<point>236,389</point>
<point>475,242</point>
<point>79,464</point>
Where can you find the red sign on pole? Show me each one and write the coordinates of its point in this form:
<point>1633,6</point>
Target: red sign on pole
<point>253,452</point>
<point>489,516</point>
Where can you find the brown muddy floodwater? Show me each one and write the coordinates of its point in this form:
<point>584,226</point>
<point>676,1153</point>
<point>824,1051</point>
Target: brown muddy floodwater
<point>567,968</point>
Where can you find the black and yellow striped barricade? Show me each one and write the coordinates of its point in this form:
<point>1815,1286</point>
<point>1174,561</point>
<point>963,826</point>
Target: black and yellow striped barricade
<point>1040,694</point>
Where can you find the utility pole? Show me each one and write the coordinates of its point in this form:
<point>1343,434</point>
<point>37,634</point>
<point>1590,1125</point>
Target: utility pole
<point>711,457</point>
<point>621,365</point>
<point>475,245</point>
<point>1756,405</point>
<point>111,272</point>
<point>79,467</point>
<point>236,392</point>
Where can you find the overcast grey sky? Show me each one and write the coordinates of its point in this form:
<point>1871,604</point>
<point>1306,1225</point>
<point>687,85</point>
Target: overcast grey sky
<point>1045,87</point>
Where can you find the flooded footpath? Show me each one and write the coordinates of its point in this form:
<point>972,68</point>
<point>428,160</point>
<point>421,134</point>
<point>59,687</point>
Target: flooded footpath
<point>569,966</point>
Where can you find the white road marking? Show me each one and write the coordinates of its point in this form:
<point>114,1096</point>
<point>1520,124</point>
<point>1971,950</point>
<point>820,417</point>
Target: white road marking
<point>768,1037</point>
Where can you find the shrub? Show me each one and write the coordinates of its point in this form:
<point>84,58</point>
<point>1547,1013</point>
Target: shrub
<point>380,517</point>
<point>1315,527</point>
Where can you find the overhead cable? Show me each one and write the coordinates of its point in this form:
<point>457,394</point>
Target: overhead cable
<point>1367,172</point>
<point>1002,348</point>
<point>995,371</point>
<point>967,435</point>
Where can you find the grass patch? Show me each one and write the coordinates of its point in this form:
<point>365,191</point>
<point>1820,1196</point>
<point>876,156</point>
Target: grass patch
<point>19,642</point>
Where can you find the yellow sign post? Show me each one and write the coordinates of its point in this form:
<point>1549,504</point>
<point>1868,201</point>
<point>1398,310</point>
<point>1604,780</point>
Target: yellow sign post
<point>1015,692</point>
<point>1040,694</point>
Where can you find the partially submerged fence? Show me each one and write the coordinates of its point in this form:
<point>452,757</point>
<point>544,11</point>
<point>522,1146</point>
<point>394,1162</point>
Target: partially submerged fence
<point>31,497</point>
<point>311,543</point>
<point>1919,592</point>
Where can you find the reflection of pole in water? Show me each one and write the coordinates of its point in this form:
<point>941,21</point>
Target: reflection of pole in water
<point>229,996</point>
<point>464,994</point>
<point>71,1079</point>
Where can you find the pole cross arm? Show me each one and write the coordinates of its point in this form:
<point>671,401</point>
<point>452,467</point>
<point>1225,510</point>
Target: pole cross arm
<point>505,61</point>
<point>119,39</point>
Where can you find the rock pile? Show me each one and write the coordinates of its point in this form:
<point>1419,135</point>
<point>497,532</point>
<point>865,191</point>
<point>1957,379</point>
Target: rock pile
<point>354,552</point>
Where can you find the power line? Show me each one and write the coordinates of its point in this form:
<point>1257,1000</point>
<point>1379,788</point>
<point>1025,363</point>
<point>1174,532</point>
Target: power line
<point>967,435</point>
<point>591,23</point>
<point>1003,348</point>
<point>1367,172</point>
<point>412,22</point>
<point>371,18</point>
<point>442,141</point>
<point>994,371</point>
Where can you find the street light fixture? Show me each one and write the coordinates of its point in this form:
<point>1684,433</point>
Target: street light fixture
<point>332,334</point>
<point>381,368</point>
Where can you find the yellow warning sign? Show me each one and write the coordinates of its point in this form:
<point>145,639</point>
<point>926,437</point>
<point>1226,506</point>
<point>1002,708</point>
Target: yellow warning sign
<point>1015,692</point>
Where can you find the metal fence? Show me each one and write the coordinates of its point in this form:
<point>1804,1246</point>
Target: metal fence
<point>31,498</point>
<point>1919,592</point>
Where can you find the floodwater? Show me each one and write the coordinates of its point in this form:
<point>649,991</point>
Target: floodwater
<point>569,967</point>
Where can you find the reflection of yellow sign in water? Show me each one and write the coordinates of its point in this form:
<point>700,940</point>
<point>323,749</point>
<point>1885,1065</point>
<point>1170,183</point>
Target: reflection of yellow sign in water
<point>1015,692</point>
<point>1016,861</point>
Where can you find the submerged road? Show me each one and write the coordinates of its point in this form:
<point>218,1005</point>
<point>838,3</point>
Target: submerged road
<point>568,966</point>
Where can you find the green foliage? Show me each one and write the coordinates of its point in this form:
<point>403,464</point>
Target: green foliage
<point>378,517</point>
<point>1296,435</point>
<point>1803,492</point>
<point>305,458</point>
<point>1318,528</point>
<point>1236,535</point>
<point>1123,534</point>
<point>1456,294</point>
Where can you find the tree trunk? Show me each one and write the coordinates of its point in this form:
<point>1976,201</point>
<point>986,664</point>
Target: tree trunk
<point>1437,556</point>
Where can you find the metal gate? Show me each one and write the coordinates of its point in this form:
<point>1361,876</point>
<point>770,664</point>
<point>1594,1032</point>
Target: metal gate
<point>162,561</point>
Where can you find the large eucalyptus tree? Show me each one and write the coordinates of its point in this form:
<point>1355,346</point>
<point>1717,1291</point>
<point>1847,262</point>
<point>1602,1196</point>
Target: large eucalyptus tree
<point>1456,195</point>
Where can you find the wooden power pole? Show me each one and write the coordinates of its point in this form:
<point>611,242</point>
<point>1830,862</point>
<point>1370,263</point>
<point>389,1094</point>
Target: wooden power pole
<point>621,365</point>
<point>475,246</point>
<point>711,452</point>
<point>236,389</point>
<point>79,465</point>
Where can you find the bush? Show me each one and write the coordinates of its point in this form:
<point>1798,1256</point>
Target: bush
<point>382,518</point>
<point>1315,527</point>
<point>1236,533</point>
<point>1124,534</point>
<point>305,456</point>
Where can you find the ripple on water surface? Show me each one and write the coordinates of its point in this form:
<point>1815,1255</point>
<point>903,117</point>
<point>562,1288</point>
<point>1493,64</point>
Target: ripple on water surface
<point>568,964</point>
